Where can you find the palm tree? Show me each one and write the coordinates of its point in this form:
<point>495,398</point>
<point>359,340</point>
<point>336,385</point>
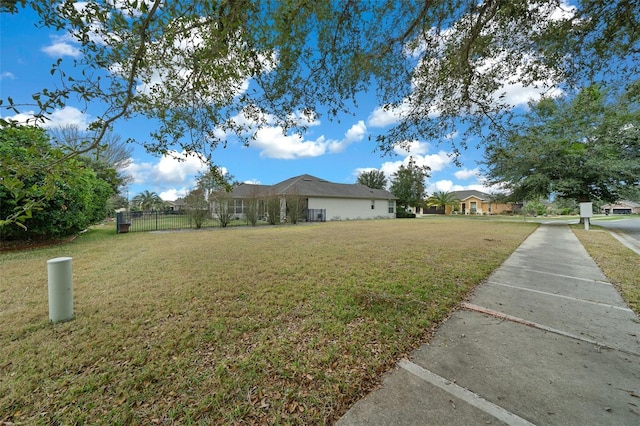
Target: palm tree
<point>443,199</point>
<point>147,201</point>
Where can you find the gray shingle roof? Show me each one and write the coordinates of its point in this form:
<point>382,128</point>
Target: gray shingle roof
<point>311,186</point>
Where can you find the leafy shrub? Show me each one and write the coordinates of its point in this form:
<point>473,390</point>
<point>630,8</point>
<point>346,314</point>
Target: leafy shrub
<point>57,197</point>
<point>404,215</point>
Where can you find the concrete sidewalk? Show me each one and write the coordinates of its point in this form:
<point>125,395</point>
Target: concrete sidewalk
<point>547,340</point>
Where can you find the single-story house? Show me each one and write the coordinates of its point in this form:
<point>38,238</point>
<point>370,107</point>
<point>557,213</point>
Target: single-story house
<point>321,200</point>
<point>622,207</point>
<point>177,205</point>
<point>478,202</point>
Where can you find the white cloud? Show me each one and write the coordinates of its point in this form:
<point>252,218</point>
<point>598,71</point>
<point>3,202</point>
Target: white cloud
<point>306,118</point>
<point>275,144</point>
<point>8,75</point>
<point>140,172</point>
<point>384,116</point>
<point>390,167</point>
<point>356,132</point>
<point>511,91</point>
<point>68,116</point>
<point>443,186</point>
<point>61,46</point>
<point>517,94</point>
<point>173,194</point>
<point>413,148</point>
<point>177,168</point>
<point>173,174</point>
<point>381,117</point>
<point>465,174</point>
<point>436,162</point>
<point>24,118</point>
<point>446,185</point>
<point>58,118</point>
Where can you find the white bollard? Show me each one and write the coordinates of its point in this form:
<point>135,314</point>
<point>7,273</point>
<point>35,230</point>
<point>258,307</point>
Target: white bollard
<point>60,289</point>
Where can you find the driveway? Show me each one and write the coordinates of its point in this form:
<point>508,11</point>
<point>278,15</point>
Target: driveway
<point>629,226</point>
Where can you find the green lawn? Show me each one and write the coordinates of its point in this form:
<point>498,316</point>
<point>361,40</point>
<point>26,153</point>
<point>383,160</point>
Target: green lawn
<point>288,324</point>
<point>620,264</point>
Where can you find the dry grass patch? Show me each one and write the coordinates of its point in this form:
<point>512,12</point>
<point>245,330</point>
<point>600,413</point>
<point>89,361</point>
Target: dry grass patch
<point>620,264</point>
<point>265,325</point>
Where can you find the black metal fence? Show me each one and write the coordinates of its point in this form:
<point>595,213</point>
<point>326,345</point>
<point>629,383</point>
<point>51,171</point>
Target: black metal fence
<point>156,221</point>
<point>316,215</point>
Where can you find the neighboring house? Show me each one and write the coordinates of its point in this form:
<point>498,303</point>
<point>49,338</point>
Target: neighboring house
<point>477,202</point>
<point>176,205</point>
<point>419,211</point>
<point>622,207</point>
<point>322,200</point>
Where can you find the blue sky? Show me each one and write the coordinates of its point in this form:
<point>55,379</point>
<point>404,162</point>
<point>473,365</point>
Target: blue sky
<point>332,150</point>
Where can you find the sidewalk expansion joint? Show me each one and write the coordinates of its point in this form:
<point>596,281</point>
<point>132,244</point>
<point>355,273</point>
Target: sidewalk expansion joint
<point>503,316</point>
<point>463,394</point>
<point>562,296</point>
<point>590,280</point>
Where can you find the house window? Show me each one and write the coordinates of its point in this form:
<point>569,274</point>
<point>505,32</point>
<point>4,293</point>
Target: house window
<point>473,207</point>
<point>392,206</point>
<point>373,204</point>
<point>238,206</point>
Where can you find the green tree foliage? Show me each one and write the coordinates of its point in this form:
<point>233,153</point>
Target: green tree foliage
<point>534,208</point>
<point>440,63</point>
<point>407,184</point>
<point>117,201</point>
<point>374,179</point>
<point>147,201</point>
<point>42,193</point>
<point>205,68</point>
<point>217,186</point>
<point>564,206</point>
<point>442,200</point>
<point>197,206</point>
<point>585,147</point>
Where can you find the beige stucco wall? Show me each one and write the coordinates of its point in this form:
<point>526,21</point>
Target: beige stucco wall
<point>482,207</point>
<point>349,209</point>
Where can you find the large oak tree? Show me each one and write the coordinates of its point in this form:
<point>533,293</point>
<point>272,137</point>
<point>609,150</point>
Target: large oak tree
<point>434,62</point>
<point>585,147</point>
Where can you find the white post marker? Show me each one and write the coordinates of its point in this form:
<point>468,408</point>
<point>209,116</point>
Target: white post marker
<point>60,289</point>
<point>586,212</point>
